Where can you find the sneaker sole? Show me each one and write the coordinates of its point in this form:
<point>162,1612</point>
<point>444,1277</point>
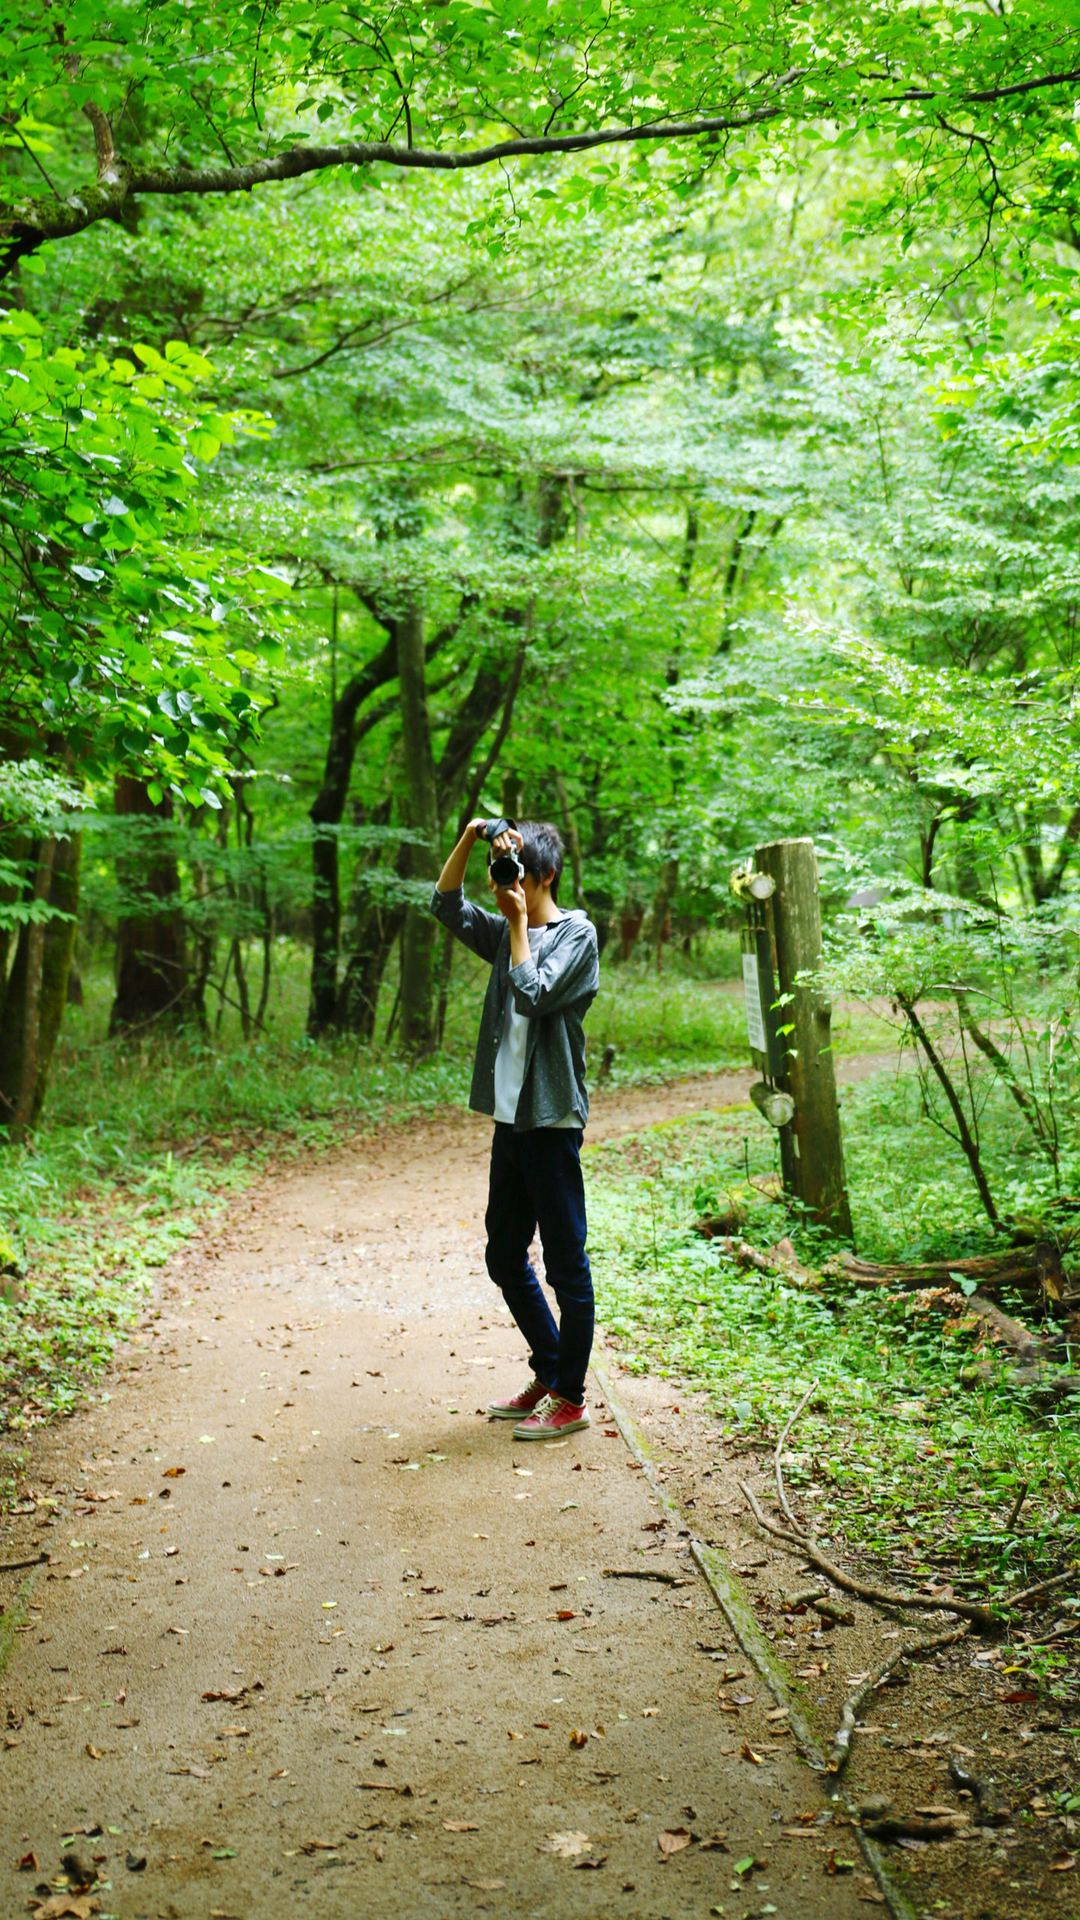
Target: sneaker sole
<point>506,1413</point>
<point>554,1433</point>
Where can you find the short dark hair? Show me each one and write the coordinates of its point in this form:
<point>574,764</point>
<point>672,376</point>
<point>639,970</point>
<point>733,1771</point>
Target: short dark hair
<point>542,852</point>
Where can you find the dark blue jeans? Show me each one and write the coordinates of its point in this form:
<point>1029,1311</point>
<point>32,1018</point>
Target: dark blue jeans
<point>536,1182</point>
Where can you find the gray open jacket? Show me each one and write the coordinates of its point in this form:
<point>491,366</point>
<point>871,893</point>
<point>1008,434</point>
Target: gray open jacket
<point>554,992</point>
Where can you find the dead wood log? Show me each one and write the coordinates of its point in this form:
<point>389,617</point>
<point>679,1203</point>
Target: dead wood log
<point>1035,1269</point>
<point>1020,1339</point>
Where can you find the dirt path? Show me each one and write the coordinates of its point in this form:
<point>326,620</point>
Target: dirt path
<point>315,1636</point>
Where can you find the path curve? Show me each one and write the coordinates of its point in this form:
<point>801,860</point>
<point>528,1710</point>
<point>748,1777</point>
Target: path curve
<point>315,1636</point>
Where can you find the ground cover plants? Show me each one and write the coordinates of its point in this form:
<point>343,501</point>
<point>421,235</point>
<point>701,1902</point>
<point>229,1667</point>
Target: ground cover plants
<point>918,1454</point>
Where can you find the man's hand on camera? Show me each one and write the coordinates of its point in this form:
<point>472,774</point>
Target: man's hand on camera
<point>508,842</point>
<point>512,904</point>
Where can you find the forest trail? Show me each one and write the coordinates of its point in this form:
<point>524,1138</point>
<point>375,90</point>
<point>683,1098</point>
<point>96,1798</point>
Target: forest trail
<point>299,1646</point>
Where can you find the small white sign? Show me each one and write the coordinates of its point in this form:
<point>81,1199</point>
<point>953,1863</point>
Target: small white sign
<point>755,1024</point>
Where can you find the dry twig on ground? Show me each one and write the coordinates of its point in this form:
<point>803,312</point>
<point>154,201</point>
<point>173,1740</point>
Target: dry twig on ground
<point>980,1617</point>
<point>777,1456</point>
<point>841,1746</point>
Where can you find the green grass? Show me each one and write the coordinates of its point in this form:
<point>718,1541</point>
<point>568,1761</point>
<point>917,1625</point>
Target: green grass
<point>87,1249</point>
<point>911,1456</point>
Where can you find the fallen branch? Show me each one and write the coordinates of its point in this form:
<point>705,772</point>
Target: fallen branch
<point>917,1826</point>
<point>777,1468</point>
<point>646,1573</point>
<point>841,1746</point>
<point>1023,1342</point>
<point>1043,1586</point>
<point>828,1609</point>
<point>804,1598</point>
<point>1014,1511</point>
<point>1035,1267</point>
<point>980,1617</point>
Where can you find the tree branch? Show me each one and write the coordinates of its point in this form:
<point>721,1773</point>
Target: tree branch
<point>964,1133</point>
<point>29,224</point>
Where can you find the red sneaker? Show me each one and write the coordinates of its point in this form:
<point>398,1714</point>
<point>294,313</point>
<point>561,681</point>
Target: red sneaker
<point>554,1416</point>
<point>522,1402</point>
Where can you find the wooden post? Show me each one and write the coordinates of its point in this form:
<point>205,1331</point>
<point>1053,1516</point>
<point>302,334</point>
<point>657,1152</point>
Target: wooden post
<point>814,1161</point>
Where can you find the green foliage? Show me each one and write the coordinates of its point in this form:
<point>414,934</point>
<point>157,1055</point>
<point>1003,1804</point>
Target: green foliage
<point>86,1258</point>
<point>917,1455</point>
<point>118,635</point>
<point>964,109</point>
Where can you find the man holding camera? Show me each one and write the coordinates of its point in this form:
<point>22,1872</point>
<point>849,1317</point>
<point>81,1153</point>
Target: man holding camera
<point>529,1075</point>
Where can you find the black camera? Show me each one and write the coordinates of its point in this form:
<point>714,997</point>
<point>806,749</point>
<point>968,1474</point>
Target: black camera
<point>505,868</point>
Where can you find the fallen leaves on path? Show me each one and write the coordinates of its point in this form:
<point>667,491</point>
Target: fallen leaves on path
<point>174,1473</point>
<point>487,1886</point>
<point>461,1826</point>
<point>578,1737</point>
<point>566,1846</point>
<point>80,1905</point>
<point>673,1840</point>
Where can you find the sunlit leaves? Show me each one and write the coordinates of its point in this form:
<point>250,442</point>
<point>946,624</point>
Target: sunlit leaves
<point>98,556</point>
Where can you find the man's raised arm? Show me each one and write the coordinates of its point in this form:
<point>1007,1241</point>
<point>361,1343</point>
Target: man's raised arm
<point>481,932</point>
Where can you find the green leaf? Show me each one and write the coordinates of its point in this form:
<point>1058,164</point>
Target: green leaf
<point>966,1284</point>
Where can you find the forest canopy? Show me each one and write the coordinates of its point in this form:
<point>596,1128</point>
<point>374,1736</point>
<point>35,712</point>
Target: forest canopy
<point>660,419</point>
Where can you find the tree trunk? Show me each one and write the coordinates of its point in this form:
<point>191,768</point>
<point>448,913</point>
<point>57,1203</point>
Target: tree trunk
<point>573,840</point>
<point>22,1003</point>
<point>325,932</point>
<point>422,808</point>
<point>326,815</point>
<point>358,1000</point>
<point>660,911</point>
<point>60,936</point>
<point>40,970</point>
<point>511,795</point>
<point>152,980</point>
<point>812,1146</point>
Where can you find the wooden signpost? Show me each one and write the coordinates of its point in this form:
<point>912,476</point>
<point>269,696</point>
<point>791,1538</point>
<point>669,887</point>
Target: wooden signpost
<point>789,1026</point>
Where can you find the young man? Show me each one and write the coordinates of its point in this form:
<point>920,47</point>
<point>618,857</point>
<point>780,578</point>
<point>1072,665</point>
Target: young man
<point>530,1076</point>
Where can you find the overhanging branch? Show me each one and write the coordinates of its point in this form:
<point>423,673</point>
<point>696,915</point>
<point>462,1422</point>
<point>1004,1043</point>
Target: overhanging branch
<point>28,224</point>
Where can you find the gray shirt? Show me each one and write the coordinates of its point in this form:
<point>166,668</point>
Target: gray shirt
<point>553,990</point>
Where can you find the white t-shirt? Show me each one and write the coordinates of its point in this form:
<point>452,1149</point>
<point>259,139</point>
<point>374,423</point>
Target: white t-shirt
<point>510,1059</point>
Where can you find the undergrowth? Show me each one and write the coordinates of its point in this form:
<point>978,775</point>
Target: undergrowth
<point>907,1451</point>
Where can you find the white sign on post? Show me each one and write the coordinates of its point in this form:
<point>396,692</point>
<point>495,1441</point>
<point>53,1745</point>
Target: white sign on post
<point>755,1024</point>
